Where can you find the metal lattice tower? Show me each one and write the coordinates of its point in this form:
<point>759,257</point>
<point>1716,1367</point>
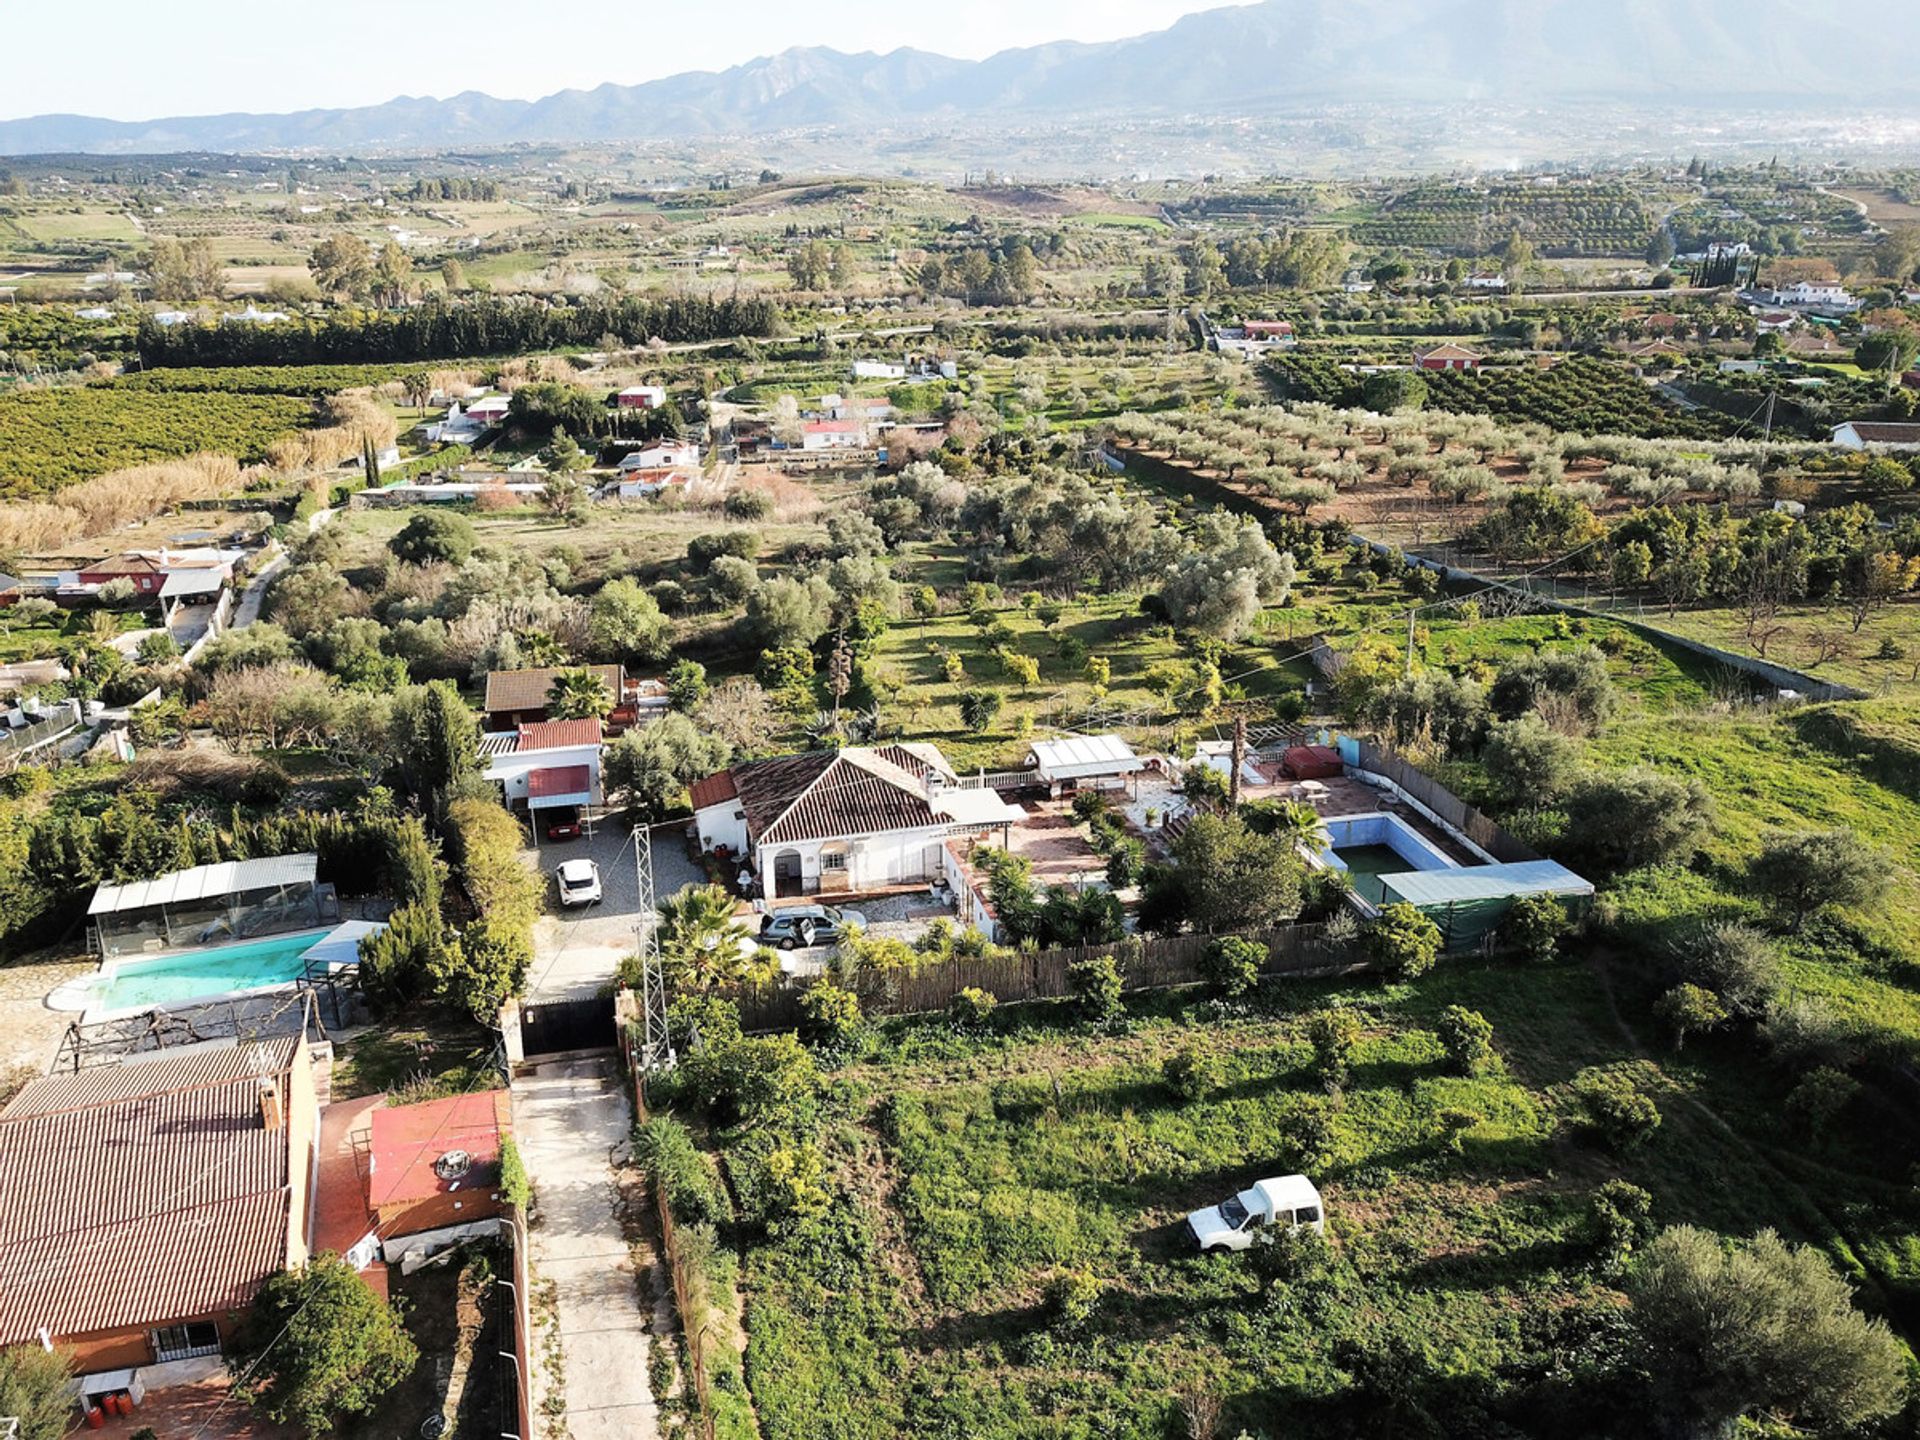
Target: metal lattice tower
<point>656,1049</point>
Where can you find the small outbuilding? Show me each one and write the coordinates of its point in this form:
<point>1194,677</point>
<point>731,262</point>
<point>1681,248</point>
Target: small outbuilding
<point>1084,762</point>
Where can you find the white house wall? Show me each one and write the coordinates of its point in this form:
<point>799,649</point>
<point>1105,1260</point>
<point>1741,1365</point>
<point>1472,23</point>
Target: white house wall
<point>511,771</point>
<point>722,824</point>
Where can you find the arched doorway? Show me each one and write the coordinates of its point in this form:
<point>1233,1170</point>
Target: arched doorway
<point>787,878</point>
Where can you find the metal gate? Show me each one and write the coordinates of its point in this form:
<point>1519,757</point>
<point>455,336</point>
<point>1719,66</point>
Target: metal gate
<point>551,1027</point>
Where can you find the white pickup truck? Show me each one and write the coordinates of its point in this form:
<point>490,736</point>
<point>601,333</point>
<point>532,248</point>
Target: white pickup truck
<point>1288,1203</point>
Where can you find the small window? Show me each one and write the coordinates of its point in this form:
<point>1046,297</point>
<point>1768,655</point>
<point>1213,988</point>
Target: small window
<point>833,860</point>
<point>185,1342</point>
<point>1307,1215</point>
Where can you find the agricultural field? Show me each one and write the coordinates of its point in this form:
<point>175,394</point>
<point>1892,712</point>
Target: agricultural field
<point>57,437</point>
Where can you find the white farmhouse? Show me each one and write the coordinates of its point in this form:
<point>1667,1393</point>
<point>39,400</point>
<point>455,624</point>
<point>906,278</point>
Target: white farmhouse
<point>1877,435</point>
<point>843,822</point>
<point>878,370</point>
<point>545,765</point>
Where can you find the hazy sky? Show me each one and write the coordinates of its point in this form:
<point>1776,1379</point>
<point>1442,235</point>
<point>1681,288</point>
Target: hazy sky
<point>138,59</point>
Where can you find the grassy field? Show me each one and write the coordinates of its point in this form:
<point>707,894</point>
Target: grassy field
<point>1817,767</point>
<point>966,1175</point>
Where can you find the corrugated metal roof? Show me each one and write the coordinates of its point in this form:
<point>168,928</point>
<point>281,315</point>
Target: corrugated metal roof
<point>562,783</point>
<point>1081,755</point>
<point>228,877</point>
<point>142,1193</point>
<point>1484,882</point>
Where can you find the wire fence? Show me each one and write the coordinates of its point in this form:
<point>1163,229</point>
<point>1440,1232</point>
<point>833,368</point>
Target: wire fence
<point>1145,964</point>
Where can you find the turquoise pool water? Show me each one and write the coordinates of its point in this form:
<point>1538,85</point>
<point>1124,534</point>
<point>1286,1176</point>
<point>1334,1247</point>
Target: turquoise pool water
<point>170,979</point>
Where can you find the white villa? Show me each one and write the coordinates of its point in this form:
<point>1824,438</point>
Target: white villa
<point>843,822</point>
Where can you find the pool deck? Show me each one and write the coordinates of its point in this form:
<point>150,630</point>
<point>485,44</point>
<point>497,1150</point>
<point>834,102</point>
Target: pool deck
<point>1346,796</point>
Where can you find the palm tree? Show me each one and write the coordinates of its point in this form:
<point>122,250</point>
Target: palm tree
<point>537,647</point>
<point>1299,823</point>
<point>578,695</point>
<point>703,942</point>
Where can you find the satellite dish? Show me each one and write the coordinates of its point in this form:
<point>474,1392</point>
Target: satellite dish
<point>453,1165</point>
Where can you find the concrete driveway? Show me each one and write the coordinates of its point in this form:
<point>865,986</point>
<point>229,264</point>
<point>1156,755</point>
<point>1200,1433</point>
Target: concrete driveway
<point>572,1120</point>
<point>576,952</point>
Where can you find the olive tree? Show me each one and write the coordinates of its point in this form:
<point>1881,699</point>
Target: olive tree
<point>1765,1331</point>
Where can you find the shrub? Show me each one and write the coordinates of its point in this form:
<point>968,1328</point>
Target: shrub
<point>1072,1296</point>
<point>1402,942</point>
<point>831,1015</point>
<point>1333,1034</point>
<point>158,648</point>
<point>1126,863</point>
<point>1534,924</point>
<point>748,505</point>
<point>1309,1133</point>
<point>682,1172</point>
<point>1687,1009</point>
<point>1191,1073</point>
<point>1529,763</point>
<point>1614,1108</point>
<point>1807,1032</point>
<point>1231,965</point>
<point>1636,817</point>
<point>318,1346</point>
<point>1800,875</point>
<point>1821,1097</point>
<point>1095,984</point>
<point>434,537</point>
<point>1467,1037</point>
<point>516,1187</point>
<point>1723,1333</point>
<point>1736,962</point>
<point>971,1009</point>
<point>1619,1217</point>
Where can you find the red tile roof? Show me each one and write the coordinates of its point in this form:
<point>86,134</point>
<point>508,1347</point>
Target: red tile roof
<point>408,1139</point>
<point>559,780</point>
<point>556,734</point>
<point>716,789</point>
<point>143,1193</point>
<point>826,793</point>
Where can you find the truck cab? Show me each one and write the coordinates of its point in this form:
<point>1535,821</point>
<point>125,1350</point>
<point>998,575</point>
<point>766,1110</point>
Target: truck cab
<point>1289,1202</point>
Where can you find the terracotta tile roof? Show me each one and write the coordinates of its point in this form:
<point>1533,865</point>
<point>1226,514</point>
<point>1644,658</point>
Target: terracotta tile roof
<point>142,1194</point>
<point>527,689</point>
<point>1446,352</point>
<point>556,734</point>
<point>559,780</point>
<point>825,793</point>
<point>716,789</point>
<point>408,1139</point>
<point>127,565</point>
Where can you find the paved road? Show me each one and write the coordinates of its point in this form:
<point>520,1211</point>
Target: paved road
<point>570,1119</point>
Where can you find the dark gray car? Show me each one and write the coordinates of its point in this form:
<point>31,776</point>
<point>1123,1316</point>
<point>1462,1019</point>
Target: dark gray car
<point>799,926</point>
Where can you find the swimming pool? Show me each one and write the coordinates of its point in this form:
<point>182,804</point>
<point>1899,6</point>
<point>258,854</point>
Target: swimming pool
<point>157,982</point>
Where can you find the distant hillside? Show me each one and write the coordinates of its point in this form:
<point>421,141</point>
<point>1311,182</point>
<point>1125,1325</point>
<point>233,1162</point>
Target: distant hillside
<point>1276,56</point>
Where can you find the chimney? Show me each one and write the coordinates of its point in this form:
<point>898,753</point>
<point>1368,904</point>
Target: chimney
<point>936,782</point>
<point>272,1116</point>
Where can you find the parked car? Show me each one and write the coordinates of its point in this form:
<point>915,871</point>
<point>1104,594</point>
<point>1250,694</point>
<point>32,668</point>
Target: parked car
<point>579,883</point>
<point>563,822</point>
<point>1290,1202</point>
<point>799,926</point>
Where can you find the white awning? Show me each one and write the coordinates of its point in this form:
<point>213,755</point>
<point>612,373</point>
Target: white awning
<point>203,882</point>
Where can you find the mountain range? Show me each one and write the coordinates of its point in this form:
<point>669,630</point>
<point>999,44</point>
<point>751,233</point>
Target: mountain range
<point>1275,57</point>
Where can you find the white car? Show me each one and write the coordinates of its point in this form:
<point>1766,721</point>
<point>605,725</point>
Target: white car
<point>1290,1202</point>
<point>579,883</point>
